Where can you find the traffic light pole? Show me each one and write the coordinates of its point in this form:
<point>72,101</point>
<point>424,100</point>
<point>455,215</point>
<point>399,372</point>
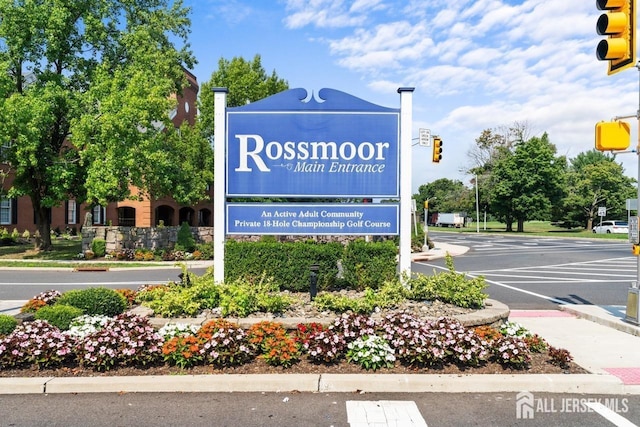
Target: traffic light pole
<point>638,183</point>
<point>633,296</point>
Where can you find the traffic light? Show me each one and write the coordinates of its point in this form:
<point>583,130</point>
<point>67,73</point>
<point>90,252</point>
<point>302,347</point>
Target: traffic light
<point>619,23</point>
<point>613,136</point>
<point>437,149</point>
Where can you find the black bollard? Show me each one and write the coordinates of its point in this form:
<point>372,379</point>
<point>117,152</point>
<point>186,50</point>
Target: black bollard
<point>313,285</point>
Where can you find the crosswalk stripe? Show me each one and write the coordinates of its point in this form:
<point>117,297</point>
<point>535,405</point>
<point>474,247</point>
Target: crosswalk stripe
<point>384,413</point>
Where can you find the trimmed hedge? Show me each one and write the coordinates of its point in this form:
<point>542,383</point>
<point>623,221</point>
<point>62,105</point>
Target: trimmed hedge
<point>95,301</point>
<point>7,324</point>
<point>287,263</point>
<point>59,316</point>
<point>363,264</point>
<point>369,265</point>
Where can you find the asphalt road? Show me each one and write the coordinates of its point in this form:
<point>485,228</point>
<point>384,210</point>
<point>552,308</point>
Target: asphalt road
<point>25,283</point>
<point>310,409</point>
<point>540,273</point>
<point>522,272</point>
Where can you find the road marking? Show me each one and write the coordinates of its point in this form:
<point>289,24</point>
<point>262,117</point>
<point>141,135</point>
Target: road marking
<point>384,413</point>
<point>609,415</point>
<point>535,294</point>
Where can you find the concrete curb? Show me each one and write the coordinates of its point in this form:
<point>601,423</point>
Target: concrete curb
<point>337,383</point>
<point>599,315</point>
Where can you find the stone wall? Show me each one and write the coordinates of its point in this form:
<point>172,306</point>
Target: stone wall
<point>118,237</point>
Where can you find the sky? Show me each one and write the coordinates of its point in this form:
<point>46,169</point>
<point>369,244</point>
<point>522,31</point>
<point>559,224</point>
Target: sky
<point>474,64</point>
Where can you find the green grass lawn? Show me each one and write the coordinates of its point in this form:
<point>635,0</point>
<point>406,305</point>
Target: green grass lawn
<point>64,254</point>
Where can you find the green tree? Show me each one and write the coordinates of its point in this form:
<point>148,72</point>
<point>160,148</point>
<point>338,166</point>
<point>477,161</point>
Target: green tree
<point>491,146</point>
<point>527,183</point>
<point>445,195</point>
<point>594,180</point>
<point>85,91</point>
<point>246,81</point>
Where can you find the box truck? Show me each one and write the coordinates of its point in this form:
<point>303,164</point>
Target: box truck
<point>450,220</point>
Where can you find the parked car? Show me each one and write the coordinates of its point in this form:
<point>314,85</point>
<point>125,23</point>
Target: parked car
<point>609,227</point>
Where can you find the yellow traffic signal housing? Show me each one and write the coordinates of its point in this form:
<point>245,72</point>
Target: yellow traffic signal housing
<point>635,249</point>
<point>619,23</point>
<point>613,136</point>
<point>437,149</point>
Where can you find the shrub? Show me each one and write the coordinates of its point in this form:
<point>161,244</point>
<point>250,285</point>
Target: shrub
<point>205,249</point>
<point>174,304</point>
<point>32,306</point>
<point>150,292</point>
<point>560,357</point>
<point>185,242</point>
<point>369,264</point>
<point>99,247</point>
<point>186,298</point>
<point>536,343</point>
<point>513,329</point>
<point>304,330</point>
<point>352,326</point>
<point>59,316</point>
<point>325,346</point>
<point>450,287</point>
<point>259,332</point>
<point>7,324</point>
<point>85,325</point>
<point>228,346</point>
<point>126,340</point>
<point>49,297</point>
<point>95,301</point>
<point>182,351</point>
<point>208,328</point>
<point>245,296</point>
<point>286,263</point>
<point>513,352</point>
<point>488,333</point>
<point>171,330</point>
<point>413,339</point>
<point>35,343</point>
<point>371,352</point>
<point>277,348</point>
<point>281,351</point>
<point>343,303</point>
<point>128,294</point>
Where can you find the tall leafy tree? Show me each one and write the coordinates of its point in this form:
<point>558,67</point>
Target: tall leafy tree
<point>491,146</point>
<point>246,81</point>
<point>594,180</point>
<point>445,195</point>
<point>527,183</point>
<point>85,91</point>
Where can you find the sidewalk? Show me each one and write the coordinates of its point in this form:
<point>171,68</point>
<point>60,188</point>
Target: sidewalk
<point>597,337</point>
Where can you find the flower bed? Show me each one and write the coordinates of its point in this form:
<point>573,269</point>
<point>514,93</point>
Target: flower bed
<point>127,343</point>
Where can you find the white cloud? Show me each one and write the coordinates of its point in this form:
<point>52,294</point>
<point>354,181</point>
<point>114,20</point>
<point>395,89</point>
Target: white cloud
<point>329,13</point>
<point>478,64</point>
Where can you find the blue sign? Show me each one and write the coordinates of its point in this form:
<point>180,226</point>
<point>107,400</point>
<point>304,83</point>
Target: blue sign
<point>312,219</point>
<point>284,146</point>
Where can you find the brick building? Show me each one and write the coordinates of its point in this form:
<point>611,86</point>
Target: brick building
<point>18,213</point>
